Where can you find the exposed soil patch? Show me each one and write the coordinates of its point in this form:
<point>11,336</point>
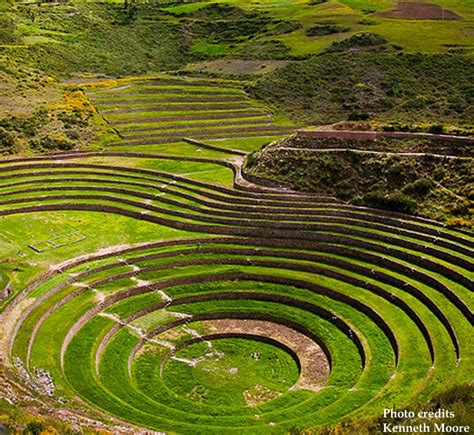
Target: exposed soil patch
<point>420,11</point>
<point>259,394</point>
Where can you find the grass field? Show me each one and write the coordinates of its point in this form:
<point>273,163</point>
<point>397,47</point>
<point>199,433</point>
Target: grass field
<point>313,63</point>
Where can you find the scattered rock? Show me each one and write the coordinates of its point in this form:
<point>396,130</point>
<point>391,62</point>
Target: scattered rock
<point>44,381</point>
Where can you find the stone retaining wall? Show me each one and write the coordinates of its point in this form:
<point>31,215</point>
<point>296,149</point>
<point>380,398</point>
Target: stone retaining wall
<point>6,291</point>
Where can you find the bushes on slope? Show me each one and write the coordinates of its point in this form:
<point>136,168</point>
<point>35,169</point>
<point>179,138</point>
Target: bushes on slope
<point>385,86</point>
<point>435,187</point>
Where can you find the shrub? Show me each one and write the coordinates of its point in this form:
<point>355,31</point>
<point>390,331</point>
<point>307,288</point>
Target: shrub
<point>326,29</point>
<point>74,117</point>
<point>439,173</point>
<point>420,187</point>
<point>284,27</point>
<point>360,40</point>
<point>264,50</point>
<point>396,172</point>
<point>358,116</point>
<point>7,32</point>
<point>73,135</point>
<point>461,207</point>
<point>436,129</point>
<point>395,201</point>
<point>34,428</point>
<point>459,222</point>
<point>7,139</point>
<point>51,143</point>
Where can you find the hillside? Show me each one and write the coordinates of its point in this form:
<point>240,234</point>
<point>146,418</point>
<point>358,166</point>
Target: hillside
<point>317,63</point>
<point>118,38</point>
<point>428,177</point>
<point>373,85</point>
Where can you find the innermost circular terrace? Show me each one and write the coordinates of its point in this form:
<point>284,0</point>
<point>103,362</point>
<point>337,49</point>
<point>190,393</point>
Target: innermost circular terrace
<point>231,369</point>
<point>313,362</point>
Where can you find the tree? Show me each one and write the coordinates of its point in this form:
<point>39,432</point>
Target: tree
<point>130,7</point>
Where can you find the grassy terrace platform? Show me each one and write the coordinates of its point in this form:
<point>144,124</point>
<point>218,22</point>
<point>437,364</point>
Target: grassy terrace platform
<point>166,110</point>
<point>314,311</point>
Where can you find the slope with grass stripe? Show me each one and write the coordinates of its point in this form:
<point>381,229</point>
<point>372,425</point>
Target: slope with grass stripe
<point>175,108</point>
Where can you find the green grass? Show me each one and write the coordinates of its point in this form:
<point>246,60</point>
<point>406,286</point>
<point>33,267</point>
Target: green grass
<point>209,49</point>
<point>108,391</point>
<point>185,8</point>
<point>225,379</point>
<point>247,144</point>
<point>153,120</point>
<point>100,231</point>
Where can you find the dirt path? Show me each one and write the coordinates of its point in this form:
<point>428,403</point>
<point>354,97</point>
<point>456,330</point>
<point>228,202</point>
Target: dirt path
<point>359,151</point>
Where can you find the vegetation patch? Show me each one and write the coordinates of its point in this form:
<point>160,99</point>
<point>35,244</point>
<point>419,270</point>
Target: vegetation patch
<point>209,49</point>
<point>64,127</point>
<point>403,175</point>
<point>359,41</point>
<point>234,371</point>
<point>264,50</point>
<point>326,29</point>
<point>379,86</point>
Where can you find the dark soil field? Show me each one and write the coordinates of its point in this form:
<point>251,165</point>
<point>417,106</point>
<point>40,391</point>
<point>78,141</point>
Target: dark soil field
<point>420,11</point>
